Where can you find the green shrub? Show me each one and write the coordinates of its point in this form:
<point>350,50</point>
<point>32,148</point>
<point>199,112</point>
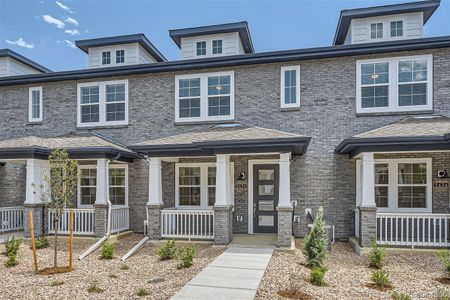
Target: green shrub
<point>94,288</point>
<point>317,275</point>
<point>315,247</point>
<point>42,242</point>
<point>445,258</point>
<point>186,255</point>
<point>400,296</point>
<point>142,293</point>
<point>376,255</point>
<point>442,294</point>
<point>108,250</point>
<point>12,246</point>
<point>124,267</point>
<point>381,278</point>
<point>11,261</point>
<point>167,251</point>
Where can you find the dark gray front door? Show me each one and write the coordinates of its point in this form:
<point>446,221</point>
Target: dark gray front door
<point>265,198</point>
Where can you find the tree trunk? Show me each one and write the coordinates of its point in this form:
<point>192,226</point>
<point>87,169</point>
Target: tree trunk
<point>55,253</point>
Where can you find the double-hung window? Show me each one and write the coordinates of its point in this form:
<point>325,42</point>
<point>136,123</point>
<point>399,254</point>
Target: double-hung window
<point>87,186</point>
<point>118,185</point>
<point>396,28</point>
<point>204,97</point>
<point>35,104</point>
<point>381,184</point>
<point>398,84</point>
<point>103,103</point>
<point>290,87</point>
<point>120,56</point>
<point>376,31</point>
<point>106,57</point>
<point>217,47</point>
<point>201,48</point>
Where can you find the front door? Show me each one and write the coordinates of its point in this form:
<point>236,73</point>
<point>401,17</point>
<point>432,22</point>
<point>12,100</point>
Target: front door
<point>265,198</point>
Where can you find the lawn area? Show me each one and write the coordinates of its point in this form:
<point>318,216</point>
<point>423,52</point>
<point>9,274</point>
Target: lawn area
<point>348,274</point>
<point>161,279</point>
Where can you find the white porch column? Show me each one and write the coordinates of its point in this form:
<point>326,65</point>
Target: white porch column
<point>223,180</point>
<point>102,182</point>
<point>36,170</point>
<point>285,181</point>
<point>368,180</point>
<point>155,182</point>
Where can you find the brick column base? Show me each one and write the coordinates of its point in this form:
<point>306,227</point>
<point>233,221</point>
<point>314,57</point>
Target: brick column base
<point>284,226</point>
<point>101,219</point>
<point>223,225</point>
<point>154,221</point>
<point>38,219</point>
<point>367,225</point>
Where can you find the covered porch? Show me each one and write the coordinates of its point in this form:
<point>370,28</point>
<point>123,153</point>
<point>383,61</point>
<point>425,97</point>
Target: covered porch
<point>103,170</point>
<point>402,183</point>
<point>226,179</point>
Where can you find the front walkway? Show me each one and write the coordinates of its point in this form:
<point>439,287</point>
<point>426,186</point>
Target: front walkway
<point>235,274</point>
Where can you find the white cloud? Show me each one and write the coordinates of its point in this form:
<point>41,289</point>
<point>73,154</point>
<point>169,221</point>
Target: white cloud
<point>54,21</point>
<point>65,7</point>
<point>72,21</point>
<point>70,44</point>
<point>72,32</point>
<point>21,43</point>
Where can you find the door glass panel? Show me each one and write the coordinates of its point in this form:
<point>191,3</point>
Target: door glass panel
<point>266,205</point>
<point>266,174</point>
<point>265,220</point>
<point>266,190</point>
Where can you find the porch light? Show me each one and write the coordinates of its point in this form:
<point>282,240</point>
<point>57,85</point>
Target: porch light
<point>375,76</point>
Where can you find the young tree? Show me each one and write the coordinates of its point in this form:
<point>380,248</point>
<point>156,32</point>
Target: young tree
<point>59,187</point>
<point>315,247</point>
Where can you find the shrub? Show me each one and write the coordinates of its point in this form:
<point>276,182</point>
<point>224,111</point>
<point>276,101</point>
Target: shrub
<point>381,278</point>
<point>142,293</point>
<point>12,246</point>
<point>442,294</point>
<point>317,275</point>
<point>315,247</point>
<point>124,267</point>
<point>376,255</point>
<point>108,250</point>
<point>11,261</point>
<point>94,288</point>
<point>42,242</point>
<point>400,296</point>
<point>167,251</point>
<point>186,256</point>
<point>445,257</point>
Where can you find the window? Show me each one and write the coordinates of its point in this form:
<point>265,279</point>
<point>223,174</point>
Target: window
<point>103,103</point>
<point>290,87</point>
<point>201,48</point>
<point>87,188</point>
<point>376,30</point>
<point>35,104</point>
<point>120,56</point>
<point>381,184</point>
<point>396,28</point>
<point>189,186</point>
<point>204,97</point>
<point>217,47</point>
<point>211,186</point>
<point>106,58</point>
<point>394,84</point>
<point>118,186</point>
<point>412,185</point>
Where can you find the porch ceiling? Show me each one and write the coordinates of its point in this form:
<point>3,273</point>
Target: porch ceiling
<point>225,139</point>
<point>78,145</point>
<point>411,134</point>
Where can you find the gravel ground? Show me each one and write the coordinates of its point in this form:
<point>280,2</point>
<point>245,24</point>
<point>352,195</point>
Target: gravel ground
<point>410,272</point>
<point>144,267</point>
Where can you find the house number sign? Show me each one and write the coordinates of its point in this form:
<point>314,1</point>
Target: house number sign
<point>241,185</point>
<point>440,184</point>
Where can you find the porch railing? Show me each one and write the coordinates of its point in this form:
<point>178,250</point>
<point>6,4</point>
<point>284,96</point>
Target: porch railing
<point>403,229</point>
<point>120,220</point>
<point>84,222</point>
<point>189,224</point>
<point>11,218</point>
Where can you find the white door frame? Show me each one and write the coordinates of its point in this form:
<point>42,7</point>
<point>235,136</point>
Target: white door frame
<point>251,163</point>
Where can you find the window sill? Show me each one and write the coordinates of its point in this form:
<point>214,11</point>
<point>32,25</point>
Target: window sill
<point>101,127</point>
<point>289,109</point>
<point>34,123</point>
<point>178,123</point>
<point>393,113</point>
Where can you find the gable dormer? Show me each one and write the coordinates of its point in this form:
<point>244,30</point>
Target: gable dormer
<point>14,64</point>
<point>120,50</point>
<point>384,23</point>
<point>213,41</point>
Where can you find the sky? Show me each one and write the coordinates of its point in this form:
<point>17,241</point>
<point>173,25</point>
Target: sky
<point>46,30</point>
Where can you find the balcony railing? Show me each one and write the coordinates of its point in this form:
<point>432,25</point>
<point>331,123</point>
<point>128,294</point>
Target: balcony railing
<point>187,224</point>
<point>11,218</point>
<point>84,221</point>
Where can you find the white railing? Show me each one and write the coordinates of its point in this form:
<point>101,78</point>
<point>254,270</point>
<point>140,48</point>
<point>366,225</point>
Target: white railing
<point>120,220</point>
<point>188,224</point>
<point>84,221</point>
<point>11,218</point>
<point>403,229</point>
<point>357,222</point>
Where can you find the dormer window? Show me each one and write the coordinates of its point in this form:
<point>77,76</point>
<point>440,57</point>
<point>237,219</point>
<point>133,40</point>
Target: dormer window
<point>120,56</point>
<point>217,47</point>
<point>376,30</point>
<point>396,28</point>
<point>201,48</point>
<point>106,57</point>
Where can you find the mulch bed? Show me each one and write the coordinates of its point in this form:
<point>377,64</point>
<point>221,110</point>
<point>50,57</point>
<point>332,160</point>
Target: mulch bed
<point>52,270</point>
<point>379,288</point>
<point>294,294</point>
<point>443,280</point>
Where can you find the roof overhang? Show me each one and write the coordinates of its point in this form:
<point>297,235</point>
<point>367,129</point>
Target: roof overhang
<point>22,59</point>
<point>296,146</point>
<point>427,7</point>
<point>355,146</point>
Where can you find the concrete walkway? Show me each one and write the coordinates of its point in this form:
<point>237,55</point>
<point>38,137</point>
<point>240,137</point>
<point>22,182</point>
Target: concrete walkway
<point>235,274</point>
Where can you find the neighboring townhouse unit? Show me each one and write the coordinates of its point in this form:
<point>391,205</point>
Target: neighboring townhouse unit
<point>228,141</point>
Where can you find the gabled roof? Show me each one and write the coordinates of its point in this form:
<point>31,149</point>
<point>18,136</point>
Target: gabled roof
<point>122,39</point>
<point>410,134</point>
<point>22,59</point>
<point>427,7</point>
<point>225,138</point>
<point>240,27</point>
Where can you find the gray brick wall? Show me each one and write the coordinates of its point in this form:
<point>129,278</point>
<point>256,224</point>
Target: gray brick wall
<point>12,185</point>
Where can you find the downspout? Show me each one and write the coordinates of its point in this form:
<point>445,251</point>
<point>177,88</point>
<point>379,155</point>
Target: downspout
<point>108,227</point>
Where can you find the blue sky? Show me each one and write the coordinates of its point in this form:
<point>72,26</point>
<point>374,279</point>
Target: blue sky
<point>45,30</point>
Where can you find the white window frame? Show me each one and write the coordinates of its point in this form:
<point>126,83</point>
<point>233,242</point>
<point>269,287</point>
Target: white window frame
<point>212,47</point>
<point>30,104</point>
<point>393,85</point>
<point>126,183</point>
<point>393,185</point>
<point>203,97</point>
<point>110,57</point>
<point>81,167</point>
<point>117,56</point>
<point>102,104</point>
<point>390,28</point>
<point>282,86</point>
<point>376,30</point>
<point>196,48</point>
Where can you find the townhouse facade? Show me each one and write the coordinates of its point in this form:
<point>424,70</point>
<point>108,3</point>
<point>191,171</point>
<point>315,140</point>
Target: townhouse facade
<point>228,141</point>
